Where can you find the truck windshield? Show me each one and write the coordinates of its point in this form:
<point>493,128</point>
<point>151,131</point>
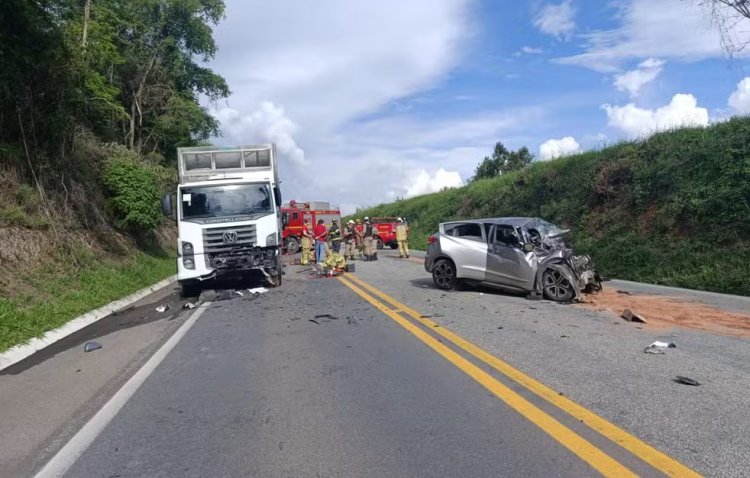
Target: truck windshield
<point>225,200</point>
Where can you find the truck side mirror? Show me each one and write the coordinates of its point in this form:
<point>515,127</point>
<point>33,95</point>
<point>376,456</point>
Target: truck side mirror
<point>277,196</point>
<point>166,205</point>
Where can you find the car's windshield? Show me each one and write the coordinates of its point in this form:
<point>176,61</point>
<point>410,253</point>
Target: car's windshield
<point>225,200</point>
<point>546,229</point>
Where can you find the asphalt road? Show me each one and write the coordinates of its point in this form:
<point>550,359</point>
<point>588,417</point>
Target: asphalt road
<point>387,384</point>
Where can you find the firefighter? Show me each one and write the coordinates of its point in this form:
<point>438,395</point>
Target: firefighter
<point>360,238</point>
<point>369,234</point>
<point>350,240</point>
<point>334,233</point>
<point>320,232</point>
<point>402,237</point>
<point>306,243</point>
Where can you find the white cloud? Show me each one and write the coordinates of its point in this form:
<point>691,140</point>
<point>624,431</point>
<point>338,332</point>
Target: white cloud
<point>646,72</point>
<point>330,64</point>
<point>636,122</point>
<point>266,124</point>
<point>556,148</point>
<point>670,29</point>
<point>422,182</point>
<point>739,100</point>
<point>557,20</point>
<point>530,50</point>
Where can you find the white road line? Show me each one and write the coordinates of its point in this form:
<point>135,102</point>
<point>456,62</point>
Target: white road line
<point>69,454</point>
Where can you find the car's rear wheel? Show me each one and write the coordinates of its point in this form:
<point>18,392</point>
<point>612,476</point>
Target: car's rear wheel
<point>444,274</point>
<point>556,286</point>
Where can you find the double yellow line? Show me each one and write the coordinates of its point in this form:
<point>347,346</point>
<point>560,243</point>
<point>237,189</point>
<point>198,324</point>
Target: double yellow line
<point>589,453</point>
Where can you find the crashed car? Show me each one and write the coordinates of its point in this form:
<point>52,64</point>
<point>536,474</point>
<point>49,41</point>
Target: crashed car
<point>516,254</point>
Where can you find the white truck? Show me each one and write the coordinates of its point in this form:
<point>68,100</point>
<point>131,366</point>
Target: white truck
<point>228,213</point>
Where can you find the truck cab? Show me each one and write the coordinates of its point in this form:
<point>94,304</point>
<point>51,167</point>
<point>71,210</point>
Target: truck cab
<point>228,212</point>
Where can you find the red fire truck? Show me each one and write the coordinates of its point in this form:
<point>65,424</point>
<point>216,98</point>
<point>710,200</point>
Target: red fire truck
<point>386,235</point>
<point>293,213</point>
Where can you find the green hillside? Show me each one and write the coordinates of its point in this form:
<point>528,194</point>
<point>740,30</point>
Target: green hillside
<point>673,209</point>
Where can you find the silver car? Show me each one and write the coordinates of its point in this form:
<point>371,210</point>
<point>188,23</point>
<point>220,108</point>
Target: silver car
<point>517,254</point>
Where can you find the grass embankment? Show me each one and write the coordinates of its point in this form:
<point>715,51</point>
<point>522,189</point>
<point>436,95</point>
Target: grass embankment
<point>58,294</point>
<point>673,209</point>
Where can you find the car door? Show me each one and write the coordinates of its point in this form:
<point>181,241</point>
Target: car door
<point>466,244</point>
<point>507,263</point>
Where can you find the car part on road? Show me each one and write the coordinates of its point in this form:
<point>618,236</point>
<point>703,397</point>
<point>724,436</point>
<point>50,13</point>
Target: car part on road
<point>91,346</point>
<point>258,290</point>
<point>658,347</point>
<point>686,381</point>
<point>189,305</point>
<point>631,316</point>
<point>623,292</point>
<point>162,308</point>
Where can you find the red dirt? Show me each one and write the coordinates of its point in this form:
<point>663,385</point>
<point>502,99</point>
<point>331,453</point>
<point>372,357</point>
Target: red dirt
<point>663,312</point>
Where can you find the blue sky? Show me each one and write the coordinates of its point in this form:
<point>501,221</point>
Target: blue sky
<point>372,101</point>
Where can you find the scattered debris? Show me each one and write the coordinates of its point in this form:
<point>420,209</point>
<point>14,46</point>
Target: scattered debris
<point>623,292</point>
<point>631,316</point>
<point>326,316</point>
<point>162,308</point>
<point>314,321</point>
<point>565,336</point>
<point>659,347</point>
<point>499,328</point>
<point>239,293</point>
<point>189,305</point>
<point>91,346</point>
<point>686,381</point>
<point>257,290</point>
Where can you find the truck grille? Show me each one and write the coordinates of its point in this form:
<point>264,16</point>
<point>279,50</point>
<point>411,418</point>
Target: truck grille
<point>225,239</point>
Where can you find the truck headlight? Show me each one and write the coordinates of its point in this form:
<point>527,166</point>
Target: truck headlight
<point>271,239</point>
<point>187,248</point>
<point>188,263</point>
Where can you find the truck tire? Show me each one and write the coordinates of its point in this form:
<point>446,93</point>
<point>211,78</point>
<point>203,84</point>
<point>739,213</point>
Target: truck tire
<point>190,288</point>
<point>279,270</point>
<point>394,245</point>
<point>379,243</point>
<point>292,245</point>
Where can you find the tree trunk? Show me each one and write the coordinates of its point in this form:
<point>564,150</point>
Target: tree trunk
<point>86,16</point>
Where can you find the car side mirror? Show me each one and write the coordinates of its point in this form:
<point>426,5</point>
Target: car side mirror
<point>528,247</point>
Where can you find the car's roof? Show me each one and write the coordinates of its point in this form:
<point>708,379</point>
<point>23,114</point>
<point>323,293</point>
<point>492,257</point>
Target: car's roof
<point>510,221</point>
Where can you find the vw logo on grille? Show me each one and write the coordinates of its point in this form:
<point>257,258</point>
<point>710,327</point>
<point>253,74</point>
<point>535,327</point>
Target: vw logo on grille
<point>230,237</point>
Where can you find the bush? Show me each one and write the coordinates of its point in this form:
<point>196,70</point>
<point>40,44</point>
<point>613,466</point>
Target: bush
<point>132,190</point>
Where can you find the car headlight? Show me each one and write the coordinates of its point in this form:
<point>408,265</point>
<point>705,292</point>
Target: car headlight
<point>188,263</point>
<point>187,248</point>
<point>271,239</point>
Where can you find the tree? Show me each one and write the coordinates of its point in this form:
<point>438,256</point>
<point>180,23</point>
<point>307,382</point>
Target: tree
<point>502,161</point>
<point>726,15</point>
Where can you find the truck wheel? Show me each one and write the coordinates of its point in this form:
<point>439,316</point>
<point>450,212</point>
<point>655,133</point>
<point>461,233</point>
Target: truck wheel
<point>379,242</point>
<point>292,245</point>
<point>190,289</point>
<point>279,270</point>
<point>394,245</point>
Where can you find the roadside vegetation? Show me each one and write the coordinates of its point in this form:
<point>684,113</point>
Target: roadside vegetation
<point>95,97</point>
<point>673,209</point>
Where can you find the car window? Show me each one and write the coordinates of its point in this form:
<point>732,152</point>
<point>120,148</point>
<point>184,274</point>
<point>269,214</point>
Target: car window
<point>469,230</point>
<point>505,236</point>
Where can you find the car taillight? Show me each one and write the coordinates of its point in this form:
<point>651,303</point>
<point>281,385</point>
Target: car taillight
<point>431,239</point>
